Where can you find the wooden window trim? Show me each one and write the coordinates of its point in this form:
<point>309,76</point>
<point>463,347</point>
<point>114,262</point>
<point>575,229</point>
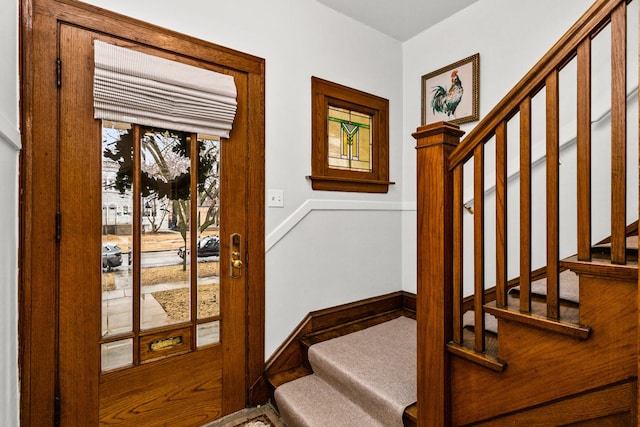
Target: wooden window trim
<point>325,94</point>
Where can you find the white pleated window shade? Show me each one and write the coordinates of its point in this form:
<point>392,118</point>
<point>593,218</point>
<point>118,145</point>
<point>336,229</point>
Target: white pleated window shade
<point>133,87</point>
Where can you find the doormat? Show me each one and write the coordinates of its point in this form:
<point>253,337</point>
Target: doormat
<point>262,416</point>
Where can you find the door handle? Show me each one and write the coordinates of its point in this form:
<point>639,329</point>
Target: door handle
<point>236,255</point>
<point>236,262</point>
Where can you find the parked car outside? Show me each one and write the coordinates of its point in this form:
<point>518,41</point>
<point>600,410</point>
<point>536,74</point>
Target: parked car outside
<point>111,256</point>
<point>207,247</point>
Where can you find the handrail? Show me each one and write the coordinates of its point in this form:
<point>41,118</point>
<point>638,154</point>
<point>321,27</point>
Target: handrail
<point>596,17</point>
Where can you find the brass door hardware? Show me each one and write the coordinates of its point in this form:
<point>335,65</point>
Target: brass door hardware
<point>236,255</point>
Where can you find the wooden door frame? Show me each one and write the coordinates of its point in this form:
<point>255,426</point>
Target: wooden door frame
<point>39,20</point>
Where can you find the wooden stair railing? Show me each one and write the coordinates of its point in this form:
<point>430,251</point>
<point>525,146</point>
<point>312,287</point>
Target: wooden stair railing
<point>440,204</point>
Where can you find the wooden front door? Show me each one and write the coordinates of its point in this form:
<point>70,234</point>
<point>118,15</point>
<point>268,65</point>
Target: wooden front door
<point>149,285</point>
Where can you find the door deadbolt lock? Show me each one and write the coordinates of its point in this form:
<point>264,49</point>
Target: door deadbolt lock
<point>236,255</point>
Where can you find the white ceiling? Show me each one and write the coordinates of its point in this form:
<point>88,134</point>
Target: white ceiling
<point>400,19</point>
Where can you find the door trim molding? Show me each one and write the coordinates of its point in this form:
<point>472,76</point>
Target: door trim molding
<point>39,19</point>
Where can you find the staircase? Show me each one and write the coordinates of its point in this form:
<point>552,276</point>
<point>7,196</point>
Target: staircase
<point>558,372</point>
<point>365,378</point>
<point>544,338</point>
<point>349,365</point>
<point>352,373</point>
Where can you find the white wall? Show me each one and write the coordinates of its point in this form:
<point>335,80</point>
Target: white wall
<point>352,251</point>
<point>510,37</point>
<point>9,146</point>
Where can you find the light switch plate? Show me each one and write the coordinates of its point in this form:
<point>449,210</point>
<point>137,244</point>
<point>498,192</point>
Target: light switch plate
<point>275,198</point>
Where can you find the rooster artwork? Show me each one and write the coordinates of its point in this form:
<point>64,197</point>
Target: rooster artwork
<point>446,101</point>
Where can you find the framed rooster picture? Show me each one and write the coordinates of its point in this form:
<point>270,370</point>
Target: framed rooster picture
<point>452,93</point>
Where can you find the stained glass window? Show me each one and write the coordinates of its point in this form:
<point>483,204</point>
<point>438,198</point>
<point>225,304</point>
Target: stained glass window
<point>350,141</point>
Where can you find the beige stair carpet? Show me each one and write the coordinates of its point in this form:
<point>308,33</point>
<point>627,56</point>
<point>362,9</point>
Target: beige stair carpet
<point>569,287</point>
<point>311,402</point>
<point>366,378</point>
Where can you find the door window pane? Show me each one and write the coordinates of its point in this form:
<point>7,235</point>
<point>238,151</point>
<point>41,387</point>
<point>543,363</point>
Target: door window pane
<point>117,354</point>
<point>208,333</point>
<point>165,203</point>
<point>208,227</point>
<point>117,221</point>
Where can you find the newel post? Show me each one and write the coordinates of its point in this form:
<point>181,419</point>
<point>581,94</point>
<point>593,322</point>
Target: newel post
<point>435,143</point>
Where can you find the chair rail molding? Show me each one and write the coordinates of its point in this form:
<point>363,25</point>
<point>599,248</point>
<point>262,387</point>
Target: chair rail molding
<point>311,205</point>
<point>9,134</point>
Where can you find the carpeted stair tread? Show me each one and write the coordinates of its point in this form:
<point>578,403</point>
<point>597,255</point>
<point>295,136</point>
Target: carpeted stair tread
<point>490,321</point>
<point>631,246</point>
<point>374,368</point>
<point>569,287</point>
<point>312,402</point>
<point>569,291</point>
